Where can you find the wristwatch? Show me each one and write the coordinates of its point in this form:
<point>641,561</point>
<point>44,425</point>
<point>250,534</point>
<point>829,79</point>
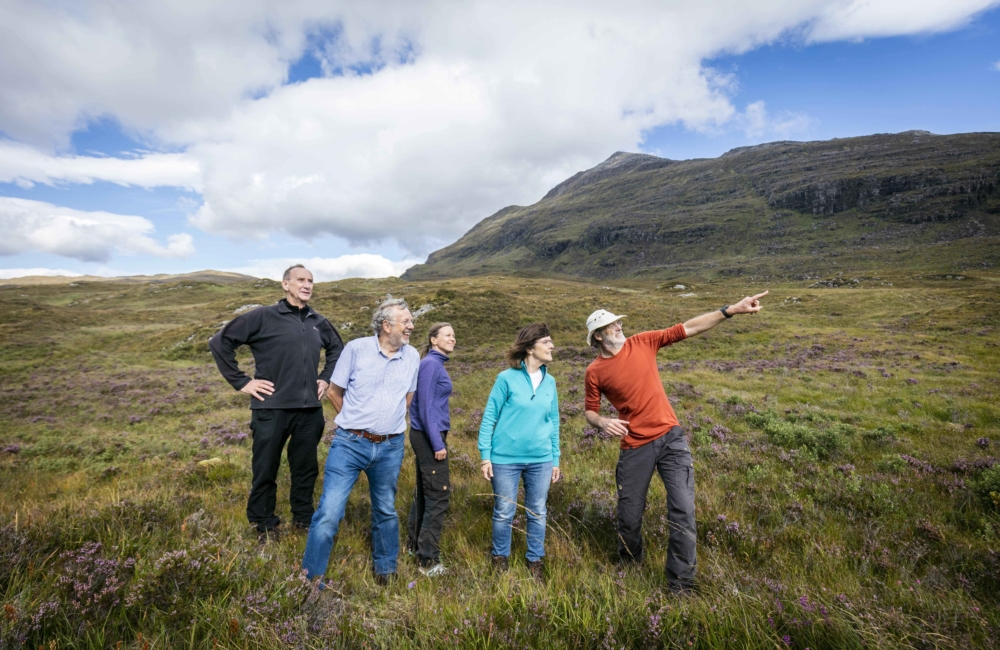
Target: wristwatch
<point>726,313</point>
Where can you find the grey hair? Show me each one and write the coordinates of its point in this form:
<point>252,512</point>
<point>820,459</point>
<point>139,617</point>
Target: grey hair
<point>383,312</point>
<point>287,275</point>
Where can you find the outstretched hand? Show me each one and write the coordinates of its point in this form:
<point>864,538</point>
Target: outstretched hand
<point>749,305</point>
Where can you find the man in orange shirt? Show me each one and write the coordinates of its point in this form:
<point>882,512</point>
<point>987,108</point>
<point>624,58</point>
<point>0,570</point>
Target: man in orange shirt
<point>651,439</point>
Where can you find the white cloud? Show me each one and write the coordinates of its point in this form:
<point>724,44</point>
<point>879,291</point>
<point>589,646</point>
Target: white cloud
<point>26,165</point>
<point>856,19</point>
<point>463,107</point>
<point>7,274</point>
<point>87,236</point>
<point>327,269</point>
<point>996,66</point>
<point>756,121</point>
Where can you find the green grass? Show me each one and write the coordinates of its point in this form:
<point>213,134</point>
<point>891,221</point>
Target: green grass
<point>843,497</point>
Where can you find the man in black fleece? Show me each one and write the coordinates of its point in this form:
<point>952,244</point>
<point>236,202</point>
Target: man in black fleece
<point>286,393</point>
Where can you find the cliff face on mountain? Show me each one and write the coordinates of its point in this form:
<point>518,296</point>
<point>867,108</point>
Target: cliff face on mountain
<point>911,199</point>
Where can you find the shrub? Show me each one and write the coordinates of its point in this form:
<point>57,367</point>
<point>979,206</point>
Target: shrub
<point>824,443</point>
<point>988,486</point>
<point>178,579</point>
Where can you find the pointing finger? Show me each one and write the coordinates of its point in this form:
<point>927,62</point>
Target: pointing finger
<point>761,295</point>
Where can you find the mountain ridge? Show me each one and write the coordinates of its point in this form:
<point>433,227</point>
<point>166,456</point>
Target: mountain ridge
<point>778,208</point>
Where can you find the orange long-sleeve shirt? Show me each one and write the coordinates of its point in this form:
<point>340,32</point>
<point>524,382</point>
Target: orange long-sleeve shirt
<point>631,382</point>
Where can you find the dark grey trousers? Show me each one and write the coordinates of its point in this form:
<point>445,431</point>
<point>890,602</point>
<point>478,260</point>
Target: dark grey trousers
<point>430,500</point>
<point>272,428</point>
<point>671,457</point>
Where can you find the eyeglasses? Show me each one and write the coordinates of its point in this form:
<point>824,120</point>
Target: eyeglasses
<point>615,325</point>
<point>408,321</point>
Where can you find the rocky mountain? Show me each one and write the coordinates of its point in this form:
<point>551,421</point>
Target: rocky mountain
<point>912,199</point>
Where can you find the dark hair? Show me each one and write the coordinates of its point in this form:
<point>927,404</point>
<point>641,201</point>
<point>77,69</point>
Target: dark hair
<point>287,275</point>
<point>432,333</point>
<point>527,336</point>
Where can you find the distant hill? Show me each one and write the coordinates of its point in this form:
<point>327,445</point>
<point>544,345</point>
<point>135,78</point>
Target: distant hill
<point>220,277</point>
<point>913,200</point>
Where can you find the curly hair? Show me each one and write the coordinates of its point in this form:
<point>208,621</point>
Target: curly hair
<point>384,311</point>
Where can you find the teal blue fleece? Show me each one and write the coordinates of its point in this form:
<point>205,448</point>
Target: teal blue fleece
<point>521,425</point>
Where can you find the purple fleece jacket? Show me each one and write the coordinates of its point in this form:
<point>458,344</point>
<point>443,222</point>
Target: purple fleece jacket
<point>429,411</point>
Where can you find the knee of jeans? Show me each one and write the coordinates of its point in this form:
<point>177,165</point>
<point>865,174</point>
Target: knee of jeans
<point>504,509</point>
<point>536,512</point>
<point>383,508</point>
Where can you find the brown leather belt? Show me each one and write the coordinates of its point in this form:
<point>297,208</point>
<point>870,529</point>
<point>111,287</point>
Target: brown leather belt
<point>374,437</point>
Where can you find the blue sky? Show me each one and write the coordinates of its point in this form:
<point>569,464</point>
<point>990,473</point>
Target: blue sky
<point>944,82</point>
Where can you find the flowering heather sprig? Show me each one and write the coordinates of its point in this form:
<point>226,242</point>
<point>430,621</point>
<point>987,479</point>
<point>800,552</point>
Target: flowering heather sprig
<point>224,434</point>
<point>964,465</point>
<point>983,443</point>
<point>91,584</point>
<point>921,466</point>
<point>475,418</point>
<point>11,449</point>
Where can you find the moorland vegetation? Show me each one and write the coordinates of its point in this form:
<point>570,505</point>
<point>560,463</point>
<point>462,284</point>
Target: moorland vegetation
<point>845,444</point>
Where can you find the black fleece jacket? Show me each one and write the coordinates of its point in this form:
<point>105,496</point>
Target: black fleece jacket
<point>285,347</point>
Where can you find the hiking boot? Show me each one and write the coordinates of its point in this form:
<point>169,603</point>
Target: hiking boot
<point>683,590</point>
<point>385,579</point>
<point>265,537</point>
<point>499,563</point>
<point>536,569</point>
<point>434,570</point>
<point>300,527</point>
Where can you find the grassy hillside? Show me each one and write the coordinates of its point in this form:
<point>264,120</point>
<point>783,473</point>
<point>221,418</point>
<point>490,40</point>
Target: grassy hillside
<point>783,210</point>
<point>845,445</point>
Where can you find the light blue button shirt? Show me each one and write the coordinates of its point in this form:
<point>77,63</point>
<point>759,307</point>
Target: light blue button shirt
<point>375,386</point>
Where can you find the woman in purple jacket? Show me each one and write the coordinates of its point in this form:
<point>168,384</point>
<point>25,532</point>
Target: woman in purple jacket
<point>429,424</point>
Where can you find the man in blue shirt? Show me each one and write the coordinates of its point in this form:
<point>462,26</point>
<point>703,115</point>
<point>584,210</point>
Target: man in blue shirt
<point>371,388</point>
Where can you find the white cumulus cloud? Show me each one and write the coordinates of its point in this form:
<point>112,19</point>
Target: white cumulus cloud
<point>756,121</point>
<point>432,114</point>
<point>327,269</point>
<point>856,19</point>
<point>27,165</point>
<point>87,236</point>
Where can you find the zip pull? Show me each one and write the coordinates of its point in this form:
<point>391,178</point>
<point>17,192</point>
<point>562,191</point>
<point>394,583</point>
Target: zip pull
<point>532,396</point>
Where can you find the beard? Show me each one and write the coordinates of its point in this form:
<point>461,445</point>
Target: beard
<point>613,341</point>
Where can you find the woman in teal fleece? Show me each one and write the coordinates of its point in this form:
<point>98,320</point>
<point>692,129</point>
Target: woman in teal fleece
<point>519,440</point>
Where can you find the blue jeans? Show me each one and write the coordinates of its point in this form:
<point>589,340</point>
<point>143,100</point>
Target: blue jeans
<point>350,455</point>
<point>537,478</point>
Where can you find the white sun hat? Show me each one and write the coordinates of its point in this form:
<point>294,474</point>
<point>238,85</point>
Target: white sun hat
<point>597,320</point>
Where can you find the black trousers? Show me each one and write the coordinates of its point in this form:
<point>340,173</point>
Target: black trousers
<point>302,429</point>
<point>671,457</point>
<point>430,501</point>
